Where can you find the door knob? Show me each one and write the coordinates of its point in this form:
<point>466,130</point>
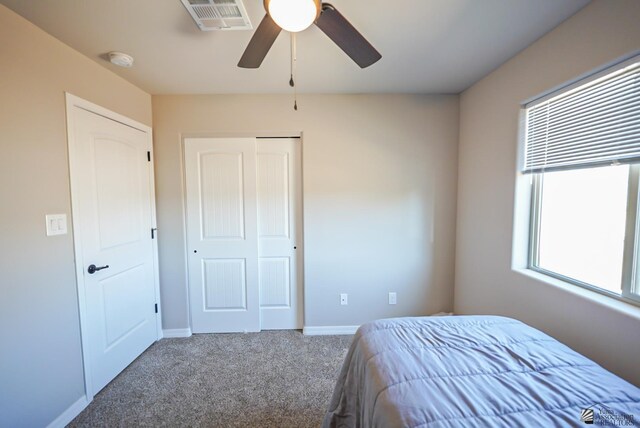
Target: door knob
<point>93,269</point>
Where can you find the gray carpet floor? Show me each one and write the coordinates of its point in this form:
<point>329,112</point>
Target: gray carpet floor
<point>268,379</point>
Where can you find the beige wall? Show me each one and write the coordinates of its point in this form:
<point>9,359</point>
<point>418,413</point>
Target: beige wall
<point>379,175</point>
<point>40,358</point>
<point>485,282</point>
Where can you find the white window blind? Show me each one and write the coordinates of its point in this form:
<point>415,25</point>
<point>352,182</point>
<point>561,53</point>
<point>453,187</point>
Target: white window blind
<point>596,123</point>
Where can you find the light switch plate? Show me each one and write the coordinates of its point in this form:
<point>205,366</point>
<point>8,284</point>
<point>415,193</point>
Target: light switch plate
<point>56,224</point>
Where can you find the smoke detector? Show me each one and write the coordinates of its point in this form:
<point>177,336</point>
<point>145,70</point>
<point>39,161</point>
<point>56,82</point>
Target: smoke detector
<point>211,15</point>
<point>121,59</point>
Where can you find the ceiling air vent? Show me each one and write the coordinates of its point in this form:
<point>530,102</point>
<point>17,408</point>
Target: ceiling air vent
<point>218,14</point>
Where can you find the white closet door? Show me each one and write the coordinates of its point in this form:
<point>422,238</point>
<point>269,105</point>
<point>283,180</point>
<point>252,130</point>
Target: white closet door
<point>280,233</point>
<point>222,234</point>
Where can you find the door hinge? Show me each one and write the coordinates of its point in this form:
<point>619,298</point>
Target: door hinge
<point>149,156</point>
<point>156,308</point>
<point>153,232</point>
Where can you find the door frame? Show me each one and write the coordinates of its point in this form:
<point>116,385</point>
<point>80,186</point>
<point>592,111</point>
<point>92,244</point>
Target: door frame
<point>71,102</point>
<point>258,135</point>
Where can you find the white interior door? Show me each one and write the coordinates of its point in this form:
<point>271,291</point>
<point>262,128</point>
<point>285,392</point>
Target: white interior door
<point>280,233</point>
<point>113,215</point>
<point>222,234</point>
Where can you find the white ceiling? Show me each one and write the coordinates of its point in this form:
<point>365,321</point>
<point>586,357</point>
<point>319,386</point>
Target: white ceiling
<point>428,46</point>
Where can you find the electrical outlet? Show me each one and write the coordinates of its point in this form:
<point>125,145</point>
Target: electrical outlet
<point>344,299</point>
<point>393,298</point>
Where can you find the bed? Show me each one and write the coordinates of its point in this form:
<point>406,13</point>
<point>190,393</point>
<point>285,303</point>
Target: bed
<point>473,371</point>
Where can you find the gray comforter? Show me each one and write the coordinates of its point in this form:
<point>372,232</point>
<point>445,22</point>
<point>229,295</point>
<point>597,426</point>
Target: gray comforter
<point>472,371</point>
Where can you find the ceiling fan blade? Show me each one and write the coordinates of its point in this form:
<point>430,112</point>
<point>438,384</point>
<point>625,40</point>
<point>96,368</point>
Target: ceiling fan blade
<point>262,40</point>
<point>334,25</point>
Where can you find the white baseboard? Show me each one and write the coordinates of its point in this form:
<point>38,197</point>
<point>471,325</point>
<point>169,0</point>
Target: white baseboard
<point>330,330</point>
<point>176,332</point>
<point>68,415</point>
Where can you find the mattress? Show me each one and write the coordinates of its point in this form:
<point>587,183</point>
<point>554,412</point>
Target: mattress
<point>483,371</point>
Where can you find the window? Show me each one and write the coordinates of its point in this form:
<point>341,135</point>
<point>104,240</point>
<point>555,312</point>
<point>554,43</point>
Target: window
<point>582,150</point>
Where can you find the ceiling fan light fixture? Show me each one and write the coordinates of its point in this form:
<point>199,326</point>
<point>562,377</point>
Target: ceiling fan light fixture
<point>293,15</point>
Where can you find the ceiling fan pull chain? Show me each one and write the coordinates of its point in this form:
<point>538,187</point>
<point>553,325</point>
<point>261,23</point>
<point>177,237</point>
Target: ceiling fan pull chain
<point>292,82</point>
<point>294,59</point>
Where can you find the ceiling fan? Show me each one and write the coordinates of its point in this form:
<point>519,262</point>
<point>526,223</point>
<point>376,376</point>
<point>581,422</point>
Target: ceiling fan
<point>297,15</point>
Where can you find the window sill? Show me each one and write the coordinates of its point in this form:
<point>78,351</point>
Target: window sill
<point>610,302</point>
